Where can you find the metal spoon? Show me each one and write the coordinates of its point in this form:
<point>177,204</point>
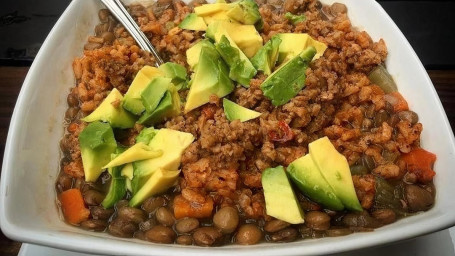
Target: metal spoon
<point>118,10</point>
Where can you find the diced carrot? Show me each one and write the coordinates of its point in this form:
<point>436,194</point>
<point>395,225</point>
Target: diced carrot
<point>73,206</point>
<point>397,101</point>
<point>73,127</point>
<point>184,208</point>
<point>420,162</point>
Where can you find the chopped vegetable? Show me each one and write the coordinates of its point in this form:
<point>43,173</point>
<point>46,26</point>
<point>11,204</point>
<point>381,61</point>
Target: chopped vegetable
<point>244,11</point>
<point>241,69</point>
<point>397,101</point>
<point>184,208</point>
<point>283,134</point>
<point>265,59</point>
<point>234,111</point>
<point>146,135</point>
<point>73,206</point>
<point>381,77</point>
<point>387,196</point>
<point>287,81</point>
<point>295,19</point>
<point>117,189</point>
<point>139,151</point>
<point>420,162</point>
<point>359,170</point>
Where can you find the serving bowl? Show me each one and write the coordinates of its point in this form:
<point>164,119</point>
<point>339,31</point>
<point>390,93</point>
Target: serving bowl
<point>28,210</point>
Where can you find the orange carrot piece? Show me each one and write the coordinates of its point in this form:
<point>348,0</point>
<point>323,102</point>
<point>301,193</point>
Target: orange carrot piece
<point>73,206</point>
<point>397,101</point>
<point>420,162</point>
<point>184,208</point>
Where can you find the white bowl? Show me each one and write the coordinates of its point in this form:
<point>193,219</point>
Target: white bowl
<point>28,211</point>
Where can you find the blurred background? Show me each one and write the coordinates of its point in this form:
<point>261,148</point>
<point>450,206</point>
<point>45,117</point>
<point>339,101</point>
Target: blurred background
<point>24,24</point>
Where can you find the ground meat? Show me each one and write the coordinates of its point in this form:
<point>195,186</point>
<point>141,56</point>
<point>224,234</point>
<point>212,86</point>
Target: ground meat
<point>387,171</point>
<point>365,189</point>
<point>252,205</point>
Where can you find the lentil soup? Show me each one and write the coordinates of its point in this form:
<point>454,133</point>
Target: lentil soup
<point>218,197</point>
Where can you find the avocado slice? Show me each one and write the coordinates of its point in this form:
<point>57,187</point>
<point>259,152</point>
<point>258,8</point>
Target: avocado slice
<point>210,78</point>
<point>309,179</point>
<point>127,171</point>
<point>335,169</point>
<point>160,181</point>
<point>177,73</point>
<point>280,200</point>
<point>111,111</point>
<point>246,37</point>
<point>208,9</point>
<point>117,188</point>
<point>265,59</point>
<point>172,143</point>
<point>146,135</point>
<point>154,92</point>
<point>193,22</point>
<point>169,106</point>
<point>214,17</point>
<point>244,11</point>
<point>294,43</point>
<point>291,45</point>
<point>234,111</point>
<point>241,69</point>
<point>284,84</point>
<point>137,152</point>
<point>97,143</point>
<point>132,100</point>
<point>193,53</point>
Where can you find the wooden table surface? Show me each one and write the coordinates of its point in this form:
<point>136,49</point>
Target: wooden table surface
<point>11,79</point>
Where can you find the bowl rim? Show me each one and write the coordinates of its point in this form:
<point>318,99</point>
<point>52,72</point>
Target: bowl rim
<point>84,244</point>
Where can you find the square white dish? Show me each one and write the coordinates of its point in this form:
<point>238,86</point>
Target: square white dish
<point>28,211</point>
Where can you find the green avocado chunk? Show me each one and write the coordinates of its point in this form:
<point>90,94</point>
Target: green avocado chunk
<point>97,143</point>
<point>265,59</point>
<point>110,110</point>
<point>137,152</point>
<point>193,53</point>
<point>308,178</point>
<point>168,106</point>
<point>117,188</point>
<point>284,84</point>
<point>280,200</point>
<point>177,74</point>
<point>172,143</point>
<point>241,69</point>
<point>246,37</point>
<point>132,100</point>
<point>210,78</point>
<point>244,11</point>
<point>160,181</point>
<point>335,169</point>
<point>193,22</point>
<point>154,92</point>
<point>146,135</point>
<point>236,112</point>
<point>294,43</point>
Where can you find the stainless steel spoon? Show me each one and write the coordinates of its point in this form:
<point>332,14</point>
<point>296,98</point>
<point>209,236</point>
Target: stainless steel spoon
<point>118,10</point>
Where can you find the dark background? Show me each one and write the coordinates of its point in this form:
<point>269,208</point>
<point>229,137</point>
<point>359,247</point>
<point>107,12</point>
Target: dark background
<point>428,25</point>
<point>24,24</point>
